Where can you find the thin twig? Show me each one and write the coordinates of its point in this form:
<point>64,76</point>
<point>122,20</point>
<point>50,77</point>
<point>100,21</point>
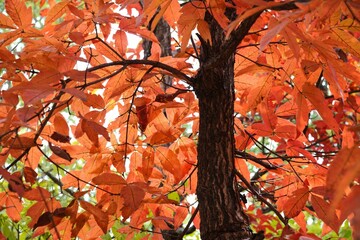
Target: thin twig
<point>189,223</point>
<point>263,200</point>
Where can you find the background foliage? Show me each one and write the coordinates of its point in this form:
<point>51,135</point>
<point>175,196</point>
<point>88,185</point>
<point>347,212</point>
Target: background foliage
<point>93,144</point>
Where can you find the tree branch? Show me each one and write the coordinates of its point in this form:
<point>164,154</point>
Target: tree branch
<point>173,71</point>
<point>246,156</point>
<point>239,34</point>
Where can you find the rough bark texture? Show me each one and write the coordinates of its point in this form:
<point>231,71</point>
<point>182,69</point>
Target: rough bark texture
<point>163,34</point>
<point>220,208</point>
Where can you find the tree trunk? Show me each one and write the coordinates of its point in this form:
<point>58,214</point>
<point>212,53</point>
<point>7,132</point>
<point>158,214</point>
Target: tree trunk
<point>221,213</point>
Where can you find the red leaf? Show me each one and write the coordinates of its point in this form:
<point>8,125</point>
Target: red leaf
<point>141,113</point>
<point>14,180</point>
<point>35,212</point>
<point>60,138</point>
<point>44,219</point>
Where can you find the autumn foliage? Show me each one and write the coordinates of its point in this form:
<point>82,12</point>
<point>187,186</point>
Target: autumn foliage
<point>93,142</point>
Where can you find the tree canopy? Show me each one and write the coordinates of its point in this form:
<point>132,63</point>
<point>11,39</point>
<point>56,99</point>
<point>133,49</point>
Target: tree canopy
<point>134,119</point>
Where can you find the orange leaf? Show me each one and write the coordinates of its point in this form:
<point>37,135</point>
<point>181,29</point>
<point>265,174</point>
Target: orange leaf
<point>95,101</point>
<point>190,14</point>
<point>147,163</point>
<point>101,217</point>
<point>203,28</point>
<point>109,179</point>
<point>13,205</point>
<point>273,31</point>
<point>6,22</point>
<point>302,113</point>
<point>351,203</point>
<point>121,41</point>
<point>37,194</point>
<point>19,13</point>
<point>172,13</point>
<point>21,143</point>
<point>80,222</point>
<point>76,93</point>
<point>234,24</point>
<point>92,129</point>
<point>296,202</point>
<point>180,215</point>
<point>297,148</point>
<point>342,171</point>
<point>322,209</point>
<point>170,162</point>
<point>133,196</point>
<point>129,25</point>
<point>241,166</point>
<point>61,125</point>
<point>56,12</point>
<point>316,97</point>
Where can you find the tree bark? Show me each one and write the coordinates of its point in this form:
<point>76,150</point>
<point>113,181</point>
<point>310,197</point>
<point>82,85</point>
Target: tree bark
<point>221,213</point>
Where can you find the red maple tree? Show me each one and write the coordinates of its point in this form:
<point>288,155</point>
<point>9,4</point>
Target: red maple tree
<point>251,105</point>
